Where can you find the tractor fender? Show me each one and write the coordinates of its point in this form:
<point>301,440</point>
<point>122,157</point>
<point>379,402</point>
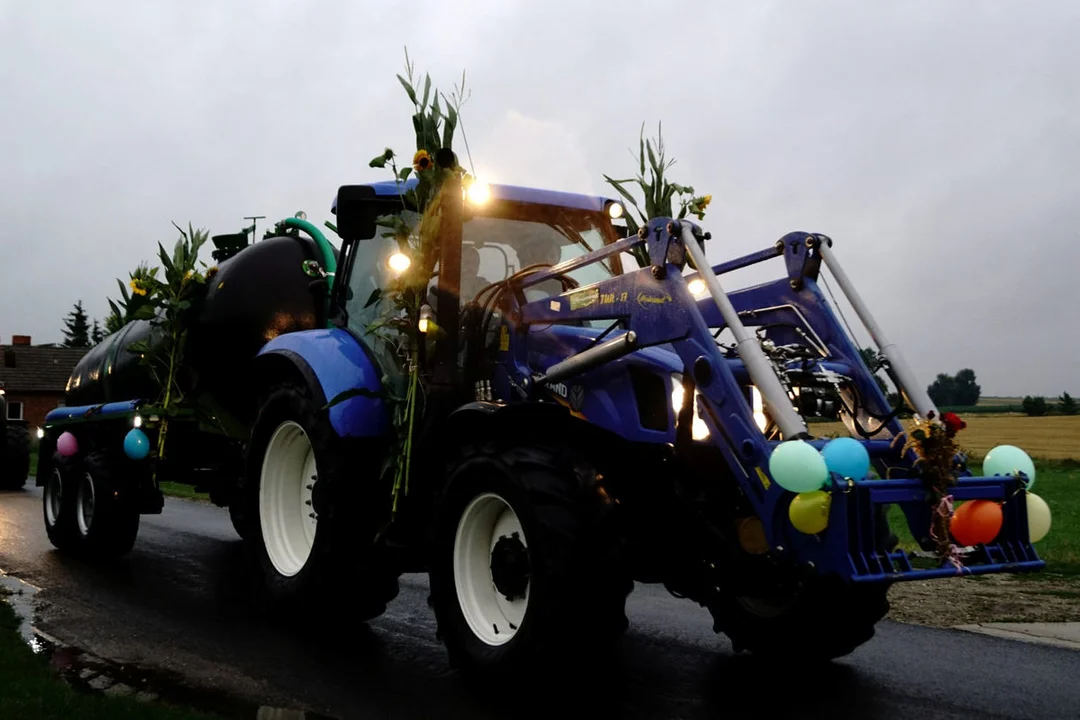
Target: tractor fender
<point>329,362</point>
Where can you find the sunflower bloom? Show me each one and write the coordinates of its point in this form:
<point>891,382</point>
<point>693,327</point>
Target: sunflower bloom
<point>422,161</point>
<point>137,288</point>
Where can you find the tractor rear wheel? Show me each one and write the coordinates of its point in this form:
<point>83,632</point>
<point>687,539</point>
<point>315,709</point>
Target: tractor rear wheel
<point>520,571</point>
<point>825,620</point>
<point>307,546</point>
<point>15,457</point>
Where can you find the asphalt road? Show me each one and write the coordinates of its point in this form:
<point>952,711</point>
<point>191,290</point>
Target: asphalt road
<point>181,603</point>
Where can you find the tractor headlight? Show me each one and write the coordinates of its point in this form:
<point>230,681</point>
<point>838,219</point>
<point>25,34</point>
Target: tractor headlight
<point>758,407</point>
<point>697,288</point>
<point>40,433</point>
<point>614,210</point>
<point>478,193</point>
<point>398,262</point>
<point>698,430</point>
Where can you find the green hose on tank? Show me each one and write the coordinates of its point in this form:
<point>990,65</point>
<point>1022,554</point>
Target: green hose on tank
<point>329,263</point>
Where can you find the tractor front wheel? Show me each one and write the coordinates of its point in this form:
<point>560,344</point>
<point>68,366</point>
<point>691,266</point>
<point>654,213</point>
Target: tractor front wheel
<point>309,545</point>
<point>520,573</point>
<point>823,620</point>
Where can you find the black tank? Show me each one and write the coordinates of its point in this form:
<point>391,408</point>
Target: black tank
<point>256,295</point>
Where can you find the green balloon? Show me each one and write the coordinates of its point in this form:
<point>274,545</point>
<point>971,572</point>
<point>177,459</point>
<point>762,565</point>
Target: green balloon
<point>797,467</point>
<point>1008,460</point>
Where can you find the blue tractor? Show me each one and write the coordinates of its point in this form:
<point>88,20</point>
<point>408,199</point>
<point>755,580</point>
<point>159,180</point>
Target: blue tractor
<point>585,426</point>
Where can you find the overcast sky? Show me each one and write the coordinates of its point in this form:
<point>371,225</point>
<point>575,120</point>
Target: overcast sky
<point>935,142</point>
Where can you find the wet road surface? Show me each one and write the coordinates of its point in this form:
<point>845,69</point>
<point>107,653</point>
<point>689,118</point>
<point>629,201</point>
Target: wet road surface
<point>181,603</point>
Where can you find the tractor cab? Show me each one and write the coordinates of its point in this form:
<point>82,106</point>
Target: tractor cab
<point>506,229</point>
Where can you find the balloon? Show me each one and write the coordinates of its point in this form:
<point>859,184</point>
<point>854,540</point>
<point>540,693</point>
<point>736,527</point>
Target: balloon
<point>797,466</point>
<point>1007,460</point>
<point>1038,513</point>
<point>67,445</point>
<point>847,457</point>
<point>976,521</point>
<point>136,444</point>
<point>809,511</point>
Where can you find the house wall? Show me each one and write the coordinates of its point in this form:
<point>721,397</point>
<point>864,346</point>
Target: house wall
<point>35,405</point>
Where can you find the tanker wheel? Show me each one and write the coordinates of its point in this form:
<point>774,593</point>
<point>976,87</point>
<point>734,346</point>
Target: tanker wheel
<point>58,503</point>
<point>520,572</point>
<point>15,457</point>
<point>106,508</point>
<point>823,620</point>
<point>306,545</point>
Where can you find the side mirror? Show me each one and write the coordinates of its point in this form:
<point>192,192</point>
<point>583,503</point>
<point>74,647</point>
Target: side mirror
<point>356,209</point>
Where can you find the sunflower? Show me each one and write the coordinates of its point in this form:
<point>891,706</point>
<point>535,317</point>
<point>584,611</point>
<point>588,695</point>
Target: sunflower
<point>422,161</point>
<point>137,288</point>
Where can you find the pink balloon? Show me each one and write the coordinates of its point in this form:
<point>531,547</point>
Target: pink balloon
<point>67,445</point>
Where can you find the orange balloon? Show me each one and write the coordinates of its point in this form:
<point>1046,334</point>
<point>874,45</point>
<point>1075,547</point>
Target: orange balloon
<point>976,521</point>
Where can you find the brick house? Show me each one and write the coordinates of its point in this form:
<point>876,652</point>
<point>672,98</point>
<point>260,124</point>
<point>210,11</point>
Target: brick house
<point>34,377</point>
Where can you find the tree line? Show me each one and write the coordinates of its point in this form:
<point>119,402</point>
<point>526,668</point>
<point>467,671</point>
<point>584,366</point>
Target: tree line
<point>962,390</point>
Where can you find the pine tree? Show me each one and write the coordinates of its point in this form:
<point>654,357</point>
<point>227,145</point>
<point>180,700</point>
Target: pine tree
<point>77,328</point>
<point>97,333</point>
<point>1067,404</point>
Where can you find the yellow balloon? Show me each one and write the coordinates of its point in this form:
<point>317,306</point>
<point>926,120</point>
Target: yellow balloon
<point>1038,517</point>
<point>809,511</point>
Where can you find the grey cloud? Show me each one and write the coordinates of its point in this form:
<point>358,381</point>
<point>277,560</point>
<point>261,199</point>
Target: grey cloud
<point>933,141</point>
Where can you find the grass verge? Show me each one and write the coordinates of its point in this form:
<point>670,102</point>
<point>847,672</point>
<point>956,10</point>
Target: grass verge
<point>30,689</point>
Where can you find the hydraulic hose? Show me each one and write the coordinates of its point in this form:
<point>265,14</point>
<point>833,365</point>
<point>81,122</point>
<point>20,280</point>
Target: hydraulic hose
<point>327,250</point>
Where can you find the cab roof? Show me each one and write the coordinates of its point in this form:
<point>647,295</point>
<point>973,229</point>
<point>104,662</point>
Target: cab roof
<point>512,193</point>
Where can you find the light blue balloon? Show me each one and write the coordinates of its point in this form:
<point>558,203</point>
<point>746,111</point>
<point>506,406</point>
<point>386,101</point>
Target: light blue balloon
<point>797,467</point>
<point>847,457</point>
<point>1007,460</point>
<point>136,444</point>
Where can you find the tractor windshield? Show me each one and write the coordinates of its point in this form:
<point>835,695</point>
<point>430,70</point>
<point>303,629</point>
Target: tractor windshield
<point>509,238</point>
<point>497,241</point>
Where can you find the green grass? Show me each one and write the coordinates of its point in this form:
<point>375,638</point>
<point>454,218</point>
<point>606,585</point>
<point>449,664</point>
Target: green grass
<point>1058,483</point>
<point>180,490</point>
<point>31,690</point>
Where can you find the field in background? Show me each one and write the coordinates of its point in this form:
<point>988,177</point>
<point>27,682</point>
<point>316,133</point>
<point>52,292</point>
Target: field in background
<point>1052,437</point>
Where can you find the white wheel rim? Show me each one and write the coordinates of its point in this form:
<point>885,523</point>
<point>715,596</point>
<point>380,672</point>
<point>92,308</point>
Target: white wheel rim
<point>285,511</point>
<point>84,504</point>
<point>492,617</point>
<point>54,497</point>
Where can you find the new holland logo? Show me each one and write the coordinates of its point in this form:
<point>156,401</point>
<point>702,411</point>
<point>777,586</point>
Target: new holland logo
<point>645,299</point>
<point>559,389</point>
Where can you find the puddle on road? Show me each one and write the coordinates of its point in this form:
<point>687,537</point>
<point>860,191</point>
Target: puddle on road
<point>89,673</point>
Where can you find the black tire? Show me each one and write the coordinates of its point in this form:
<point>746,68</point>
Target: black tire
<point>342,572</point>
<point>827,619</point>
<point>106,507</point>
<point>15,457</point>
<point>58,503</point>
<point>576,589</point>
<point>239,522</point>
